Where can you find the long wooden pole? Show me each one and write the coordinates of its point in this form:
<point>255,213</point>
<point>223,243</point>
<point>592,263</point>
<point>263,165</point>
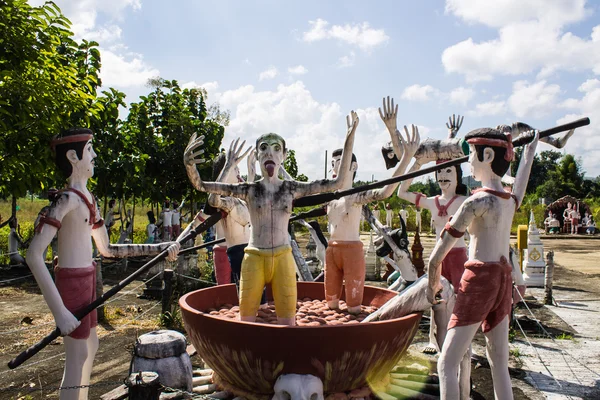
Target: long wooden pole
<point>520,141</point>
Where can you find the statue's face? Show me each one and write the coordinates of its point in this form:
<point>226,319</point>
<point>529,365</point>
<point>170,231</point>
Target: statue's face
<point>85,165</point>
<point>446,179</point>
<point>569,205</point>
<point>270,155</point>
<point>480,170</point>
<point>335,166</point>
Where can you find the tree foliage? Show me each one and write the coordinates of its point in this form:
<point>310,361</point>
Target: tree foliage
<point>291,166</point>
<point>47,83</point>
<point>155,135</point>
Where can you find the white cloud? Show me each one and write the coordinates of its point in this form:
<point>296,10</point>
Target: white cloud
<point>120,67</point>
<point>210,88</point>
<point>531,37</point>
<point>269,73</point>
<point>125,70</point>
<point>308,126</point>
<point>419,92</point>
<point>360,35</point>
<point>461,95</point>
<point>533,100</point>
<point>347,61</point>
<point>504,12</point>
<point>298,70</point>
<point>489,108</point>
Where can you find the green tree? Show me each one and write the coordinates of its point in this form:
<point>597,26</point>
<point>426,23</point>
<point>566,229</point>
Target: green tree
<point>566,178</point>
<point>291,166</point>
<point>157,131</point>
<point>428,188</point>
<point>543,163</point>
<point>47,83</point>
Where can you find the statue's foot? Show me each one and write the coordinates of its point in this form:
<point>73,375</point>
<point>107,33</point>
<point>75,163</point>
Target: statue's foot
<point>248,319</point>
<point>286,321</point>
<point>354,310</point>
<point>430,349</point>
<point>333,304</point>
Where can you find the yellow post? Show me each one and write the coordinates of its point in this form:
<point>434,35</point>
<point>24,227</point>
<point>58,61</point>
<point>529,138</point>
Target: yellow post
<point>521,242</point>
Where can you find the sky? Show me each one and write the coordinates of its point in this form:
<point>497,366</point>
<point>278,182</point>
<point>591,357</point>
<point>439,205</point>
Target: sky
<point>298,68</point>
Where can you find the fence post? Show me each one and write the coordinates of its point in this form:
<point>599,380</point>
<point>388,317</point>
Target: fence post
<point>167,290</point>
<point>144,386</point>
<point>548,278</point>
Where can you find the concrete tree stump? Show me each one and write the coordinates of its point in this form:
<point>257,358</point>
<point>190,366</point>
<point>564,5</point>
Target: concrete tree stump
<point>164,352</point>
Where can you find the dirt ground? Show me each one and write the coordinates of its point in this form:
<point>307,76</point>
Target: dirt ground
<point>22,308</point>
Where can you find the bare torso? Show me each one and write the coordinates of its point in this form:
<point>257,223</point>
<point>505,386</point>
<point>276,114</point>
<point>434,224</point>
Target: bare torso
<point>75,234</point>
<point>270,208</point>
<point>236,226</point>
<point>440,221</point>
<point>490,230</point>
<point>344,219</point>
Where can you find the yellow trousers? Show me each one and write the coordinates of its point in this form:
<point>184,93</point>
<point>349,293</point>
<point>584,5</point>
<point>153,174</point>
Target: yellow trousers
<point>275,266</point>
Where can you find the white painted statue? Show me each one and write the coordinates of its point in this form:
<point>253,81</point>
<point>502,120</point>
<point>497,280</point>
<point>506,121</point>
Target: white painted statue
<point>344,259</point>
<point>404,214</point>
<point>389,215</point>
<point>485,295</point>
<point>14,243</point>
<point>418,218</point>
<point>441,207</point>
<point>376,211</point>
<point>75,215</point>
<point>268,257</point>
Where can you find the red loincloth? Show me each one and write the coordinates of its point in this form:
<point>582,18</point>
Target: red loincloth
<point>77,288</point>
<point>484,295</point>
<point>222,266</point>
<point>453,266</point>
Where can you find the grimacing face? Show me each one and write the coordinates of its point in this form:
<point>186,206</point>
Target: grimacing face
<point>270,155</point>
<point>447,179</point>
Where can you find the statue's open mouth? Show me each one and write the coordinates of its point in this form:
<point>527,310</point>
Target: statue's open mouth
<point>270,167</point>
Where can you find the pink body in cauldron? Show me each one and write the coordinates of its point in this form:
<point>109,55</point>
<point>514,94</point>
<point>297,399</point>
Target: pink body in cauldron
<point>248,357</point>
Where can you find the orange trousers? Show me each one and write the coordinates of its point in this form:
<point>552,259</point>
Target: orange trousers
<point>345,263</point>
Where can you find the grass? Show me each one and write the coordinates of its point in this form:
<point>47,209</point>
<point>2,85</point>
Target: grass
<point>515,353</point>
<point>564,336</point>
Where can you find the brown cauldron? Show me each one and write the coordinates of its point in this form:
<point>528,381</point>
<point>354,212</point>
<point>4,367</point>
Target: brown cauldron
<point>248,357</point>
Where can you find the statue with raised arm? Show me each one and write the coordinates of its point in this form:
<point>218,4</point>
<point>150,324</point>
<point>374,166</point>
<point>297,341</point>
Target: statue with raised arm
<point>344,257</point>
<point>441,207</point>
<point>235,223</point>
<point>76,217</point>
<point>485,295</point>
<point>268,257</point>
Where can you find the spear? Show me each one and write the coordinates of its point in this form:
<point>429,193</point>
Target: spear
<point>33,350</point>
<point>520,141</point>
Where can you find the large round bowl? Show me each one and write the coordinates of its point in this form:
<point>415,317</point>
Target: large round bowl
<point>248,357</point>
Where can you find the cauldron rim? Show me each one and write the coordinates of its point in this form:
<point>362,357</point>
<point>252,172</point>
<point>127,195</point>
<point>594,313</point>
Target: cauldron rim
<point>188,308</point>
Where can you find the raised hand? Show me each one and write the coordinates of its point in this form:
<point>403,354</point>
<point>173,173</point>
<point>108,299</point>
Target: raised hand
<point>233,154</point>
<point>412,142</point>
<point>352,123</point>
<point>190,157</point>
<point>389,114</point>
<point>454,123</point>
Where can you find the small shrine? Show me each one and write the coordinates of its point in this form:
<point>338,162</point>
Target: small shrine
<point>534,265</point>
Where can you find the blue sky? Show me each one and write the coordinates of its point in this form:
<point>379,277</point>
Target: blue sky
<point>297,68</point>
